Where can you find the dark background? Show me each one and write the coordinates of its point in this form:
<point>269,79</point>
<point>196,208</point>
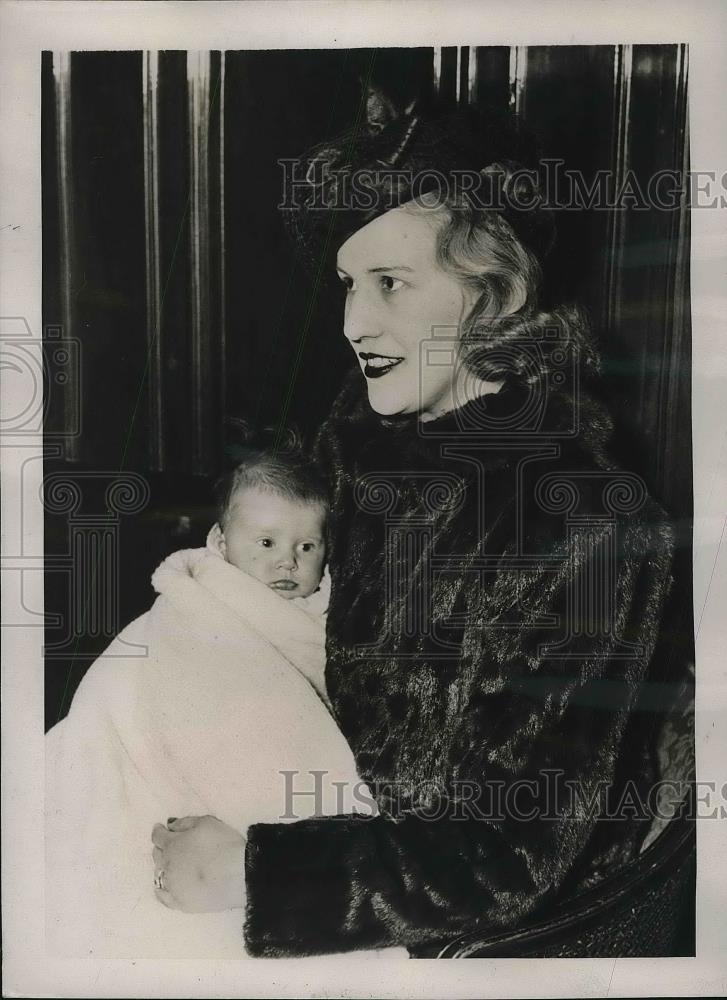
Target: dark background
<point>242,329</point>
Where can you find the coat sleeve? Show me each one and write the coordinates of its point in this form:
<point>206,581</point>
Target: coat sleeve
<point>345,883</point>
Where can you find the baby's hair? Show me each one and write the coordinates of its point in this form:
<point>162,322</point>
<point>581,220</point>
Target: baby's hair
<point>270,459</point>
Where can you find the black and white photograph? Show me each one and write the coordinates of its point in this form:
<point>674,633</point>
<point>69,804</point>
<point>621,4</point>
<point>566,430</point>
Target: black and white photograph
<point>365,446</point>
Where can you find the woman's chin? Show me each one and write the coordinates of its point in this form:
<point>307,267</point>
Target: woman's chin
<point>387,404</point>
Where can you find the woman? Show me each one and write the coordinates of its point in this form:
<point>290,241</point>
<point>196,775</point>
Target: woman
<point>497,583</point>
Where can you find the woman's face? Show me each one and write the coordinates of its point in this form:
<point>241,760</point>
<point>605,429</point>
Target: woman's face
<point>399,297</point>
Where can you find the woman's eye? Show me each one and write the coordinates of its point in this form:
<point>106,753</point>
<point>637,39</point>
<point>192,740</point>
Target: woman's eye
<point>389,284</point>
<point>347,281</point>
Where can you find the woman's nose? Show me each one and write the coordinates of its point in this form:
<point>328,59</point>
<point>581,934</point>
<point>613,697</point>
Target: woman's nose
<point>361,319</point>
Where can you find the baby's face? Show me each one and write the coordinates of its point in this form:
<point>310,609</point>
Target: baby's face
<point>278,541</point>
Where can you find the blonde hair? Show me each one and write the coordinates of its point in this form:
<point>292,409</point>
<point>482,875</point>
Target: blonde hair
<point>506,335</point>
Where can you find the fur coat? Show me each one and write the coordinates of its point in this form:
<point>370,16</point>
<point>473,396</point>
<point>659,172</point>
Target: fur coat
<point>497,590</point>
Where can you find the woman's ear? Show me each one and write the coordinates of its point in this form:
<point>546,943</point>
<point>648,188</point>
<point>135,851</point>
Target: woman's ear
<point>470,297</point>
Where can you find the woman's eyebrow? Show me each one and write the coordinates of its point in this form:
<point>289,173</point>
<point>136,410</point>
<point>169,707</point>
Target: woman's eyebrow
<point>390,267</point>
<point>380,270</point>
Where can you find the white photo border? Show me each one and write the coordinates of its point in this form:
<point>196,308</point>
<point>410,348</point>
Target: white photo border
<point>31,26</point>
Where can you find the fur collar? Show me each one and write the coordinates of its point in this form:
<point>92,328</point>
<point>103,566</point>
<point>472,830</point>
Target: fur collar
<point>497,427</point>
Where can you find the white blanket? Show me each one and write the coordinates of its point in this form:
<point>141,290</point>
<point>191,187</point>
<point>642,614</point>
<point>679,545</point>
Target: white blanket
<point>228,695</point>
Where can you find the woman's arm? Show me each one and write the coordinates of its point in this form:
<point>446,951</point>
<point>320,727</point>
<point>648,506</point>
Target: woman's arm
<point>338,884</point>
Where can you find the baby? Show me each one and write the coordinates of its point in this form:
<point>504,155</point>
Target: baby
<point>211,703</point>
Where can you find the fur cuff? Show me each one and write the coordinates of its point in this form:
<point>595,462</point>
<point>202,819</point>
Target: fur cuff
<point>306,887</point>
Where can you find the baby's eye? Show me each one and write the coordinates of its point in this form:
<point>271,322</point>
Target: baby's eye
<point>307,546</point>
<point>267,543</point>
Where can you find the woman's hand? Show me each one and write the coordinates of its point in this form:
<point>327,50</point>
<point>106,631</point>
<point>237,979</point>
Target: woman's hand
<point>200,865</point>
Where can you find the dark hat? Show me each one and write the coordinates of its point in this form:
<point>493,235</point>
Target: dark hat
<point>471,157</point>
